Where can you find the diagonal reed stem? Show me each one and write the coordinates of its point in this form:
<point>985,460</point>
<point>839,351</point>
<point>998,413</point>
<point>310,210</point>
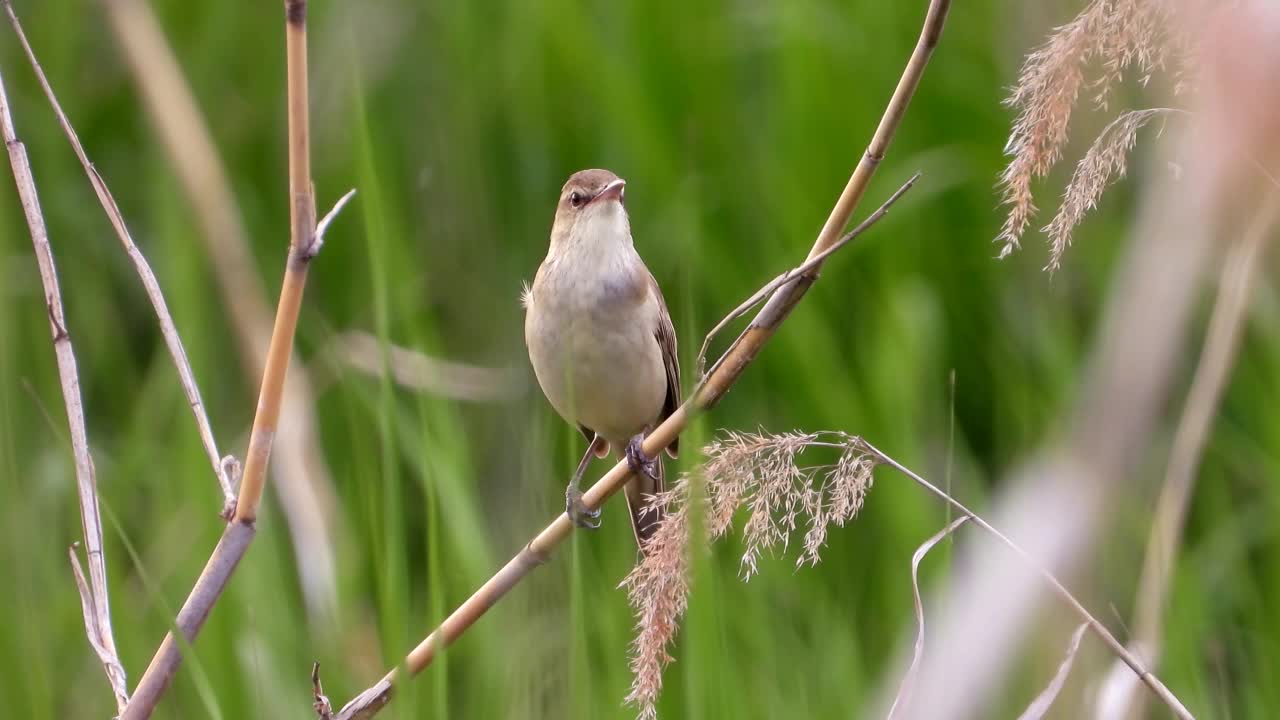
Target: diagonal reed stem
<point>721,377</point>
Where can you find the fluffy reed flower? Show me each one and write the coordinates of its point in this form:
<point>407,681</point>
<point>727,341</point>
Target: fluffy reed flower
<point>1115,37</point>
<point>756,471</point>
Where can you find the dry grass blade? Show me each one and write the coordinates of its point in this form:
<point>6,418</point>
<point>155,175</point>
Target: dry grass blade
<point>106,654</point>
<point>149,283</point>
<point>1040,706</point>
<point>97,627</point>
<point>917,652</point>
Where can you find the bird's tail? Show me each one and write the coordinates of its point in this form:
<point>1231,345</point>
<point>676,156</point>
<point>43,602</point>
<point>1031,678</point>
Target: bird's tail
<point>645,518</point>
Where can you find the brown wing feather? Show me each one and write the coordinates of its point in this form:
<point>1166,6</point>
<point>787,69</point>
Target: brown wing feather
<point>666,335</point>
<point>639,491</point>
<point>645,519</point>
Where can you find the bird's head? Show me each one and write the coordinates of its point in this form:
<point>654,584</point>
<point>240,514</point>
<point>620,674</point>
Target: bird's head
<point>591,210</point>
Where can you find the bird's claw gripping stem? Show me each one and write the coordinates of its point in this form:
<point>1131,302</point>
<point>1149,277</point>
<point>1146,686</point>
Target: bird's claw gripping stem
<point>581,515</point>
<point>640,463</point>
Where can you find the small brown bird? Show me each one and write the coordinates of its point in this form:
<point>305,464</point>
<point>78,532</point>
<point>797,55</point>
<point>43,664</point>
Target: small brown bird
<point>601,340</point>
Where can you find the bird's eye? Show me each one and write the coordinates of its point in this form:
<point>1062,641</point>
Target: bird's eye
<point>576,199</point>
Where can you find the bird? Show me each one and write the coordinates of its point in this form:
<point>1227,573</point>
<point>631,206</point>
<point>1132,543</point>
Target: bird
<point>601,341</point>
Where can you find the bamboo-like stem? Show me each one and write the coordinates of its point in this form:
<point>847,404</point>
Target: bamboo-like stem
<point>711,388</point>
<point>94,595</point>
<point>304,243</point>
<point>302,248</point>
<point>934,20</point>
<point>149,283</point>
<point>300,475</point>
<point>721,377</point>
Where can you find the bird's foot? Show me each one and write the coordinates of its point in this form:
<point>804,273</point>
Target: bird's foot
<point>640,463</point>
<point>581,515</point>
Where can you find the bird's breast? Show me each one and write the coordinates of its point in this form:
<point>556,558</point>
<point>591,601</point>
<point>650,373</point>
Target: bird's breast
<point>592,344</point>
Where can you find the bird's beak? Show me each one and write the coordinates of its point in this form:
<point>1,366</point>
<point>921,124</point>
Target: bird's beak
<point>612,191</point>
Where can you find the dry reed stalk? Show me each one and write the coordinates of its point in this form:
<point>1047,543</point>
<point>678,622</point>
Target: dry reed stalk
<point>303,246</point>
<point>168,329</point>
<point>305,241</point>
<point>302,477</point>
<point>720,378</point>
<point>94,596</point>
<point>1040,706</point>
<point>1239,273</point>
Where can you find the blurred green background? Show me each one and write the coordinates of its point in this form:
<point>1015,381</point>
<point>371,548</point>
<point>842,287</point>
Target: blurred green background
<point>736,125</point>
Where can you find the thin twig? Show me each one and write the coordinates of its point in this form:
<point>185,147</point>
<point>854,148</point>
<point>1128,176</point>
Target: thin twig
<point>1097,627</point>
<point>320,702</point>
<point>904,688</point>
<point>302,249</point>
<point>795,273</point>
<point>98,616</point>
<point>149,283</point>
<point>709,391</point>
<point>301,477</point>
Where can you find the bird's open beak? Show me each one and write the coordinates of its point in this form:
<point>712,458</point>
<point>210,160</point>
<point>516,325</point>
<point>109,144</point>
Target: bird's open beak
<point>612,191</point>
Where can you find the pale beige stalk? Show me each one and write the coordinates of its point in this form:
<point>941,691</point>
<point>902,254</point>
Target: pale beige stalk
<point>305,240</point>
<point>302,477</point>
<point>93,596</point>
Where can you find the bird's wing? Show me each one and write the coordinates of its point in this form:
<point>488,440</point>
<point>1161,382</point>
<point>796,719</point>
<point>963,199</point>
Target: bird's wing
<point>666,336</point>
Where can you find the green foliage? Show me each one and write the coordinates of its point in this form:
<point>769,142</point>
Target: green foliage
<point>736,125</point>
